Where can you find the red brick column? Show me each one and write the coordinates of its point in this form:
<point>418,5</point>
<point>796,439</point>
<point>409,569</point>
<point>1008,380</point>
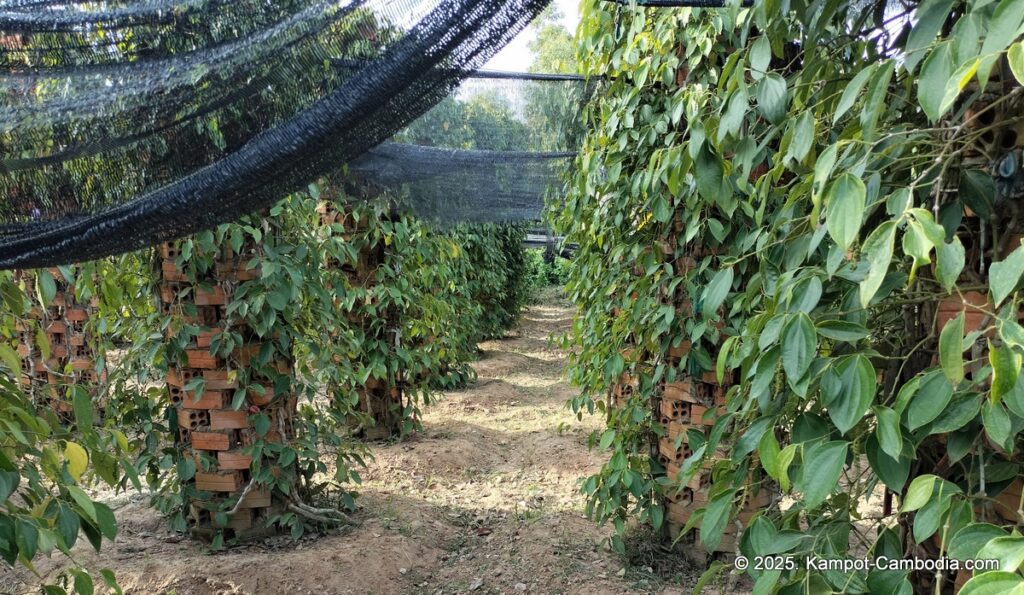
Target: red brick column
<point>378,399</point>
<point>694,402</point>
<point>216,425</point>
<point>55,348</point>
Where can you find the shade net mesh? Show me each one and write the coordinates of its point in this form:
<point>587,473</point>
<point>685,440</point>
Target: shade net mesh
<point>492,151</point>
<point>126,124</point>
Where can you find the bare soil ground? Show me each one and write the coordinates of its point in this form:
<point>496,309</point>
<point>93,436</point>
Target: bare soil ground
<point>484,499</point>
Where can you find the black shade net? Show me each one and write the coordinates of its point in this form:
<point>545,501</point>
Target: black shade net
<point>130,123</point>
<point>491,152</point>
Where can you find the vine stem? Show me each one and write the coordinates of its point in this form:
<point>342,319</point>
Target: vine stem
<point>328,516</point>
<point>241,498</point>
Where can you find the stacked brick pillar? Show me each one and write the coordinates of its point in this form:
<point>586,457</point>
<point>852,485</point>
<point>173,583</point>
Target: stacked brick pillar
<point>692,401</point>
<point>216,425</point>
<point>71,360</point>
<point>378,399</point>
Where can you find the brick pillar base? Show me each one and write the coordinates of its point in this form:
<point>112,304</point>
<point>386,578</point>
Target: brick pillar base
<point>216,427</point>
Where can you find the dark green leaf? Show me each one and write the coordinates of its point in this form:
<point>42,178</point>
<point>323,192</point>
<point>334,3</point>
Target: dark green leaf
<point>994,583</point>
<point>750,438</point>
<point>802,137</point>
<point>1014,399</point>
<point>108,577</point>
<point>840,330</point>
<point>772,99</point>
<point>1003,27</point>
<point>893,471</point>
<point>261,423</point>
<point>67,525</point>
<point>186,468</point>
<point>875,100</point>
<point>82,405</point>
<point>657,516</point>
<point>83,583</point>
<point>956,415</point>
<point>9,481</point>
<point>919,493</point>
<point>852,90</point>
<point>799,343</point>
<point>928,519</point>
<point>978,191</point>
<point>27,538</point>
<point>968,541</point>
<point>930,14</point>
<point>1009,550</point>
<point>716,291</point>
<point>766,583</point>
<point>888,431</point>
<point>931,398</point>
<point>932,87</point>
<point>760,57</point>
<point>997,425</point>
<point>806,295</point>
<point>662,211</point>
<point>822,465</point>
<point>716,516</point>
<point>857,377</point>
<point>844,201</point>
<point>105,520</point>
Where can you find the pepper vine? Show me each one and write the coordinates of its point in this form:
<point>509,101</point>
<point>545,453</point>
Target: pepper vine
<point>765,161</point>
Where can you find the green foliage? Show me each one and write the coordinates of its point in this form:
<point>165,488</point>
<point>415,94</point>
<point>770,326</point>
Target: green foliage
<point>553,49</point>
<point>495,275</point>
<point>434,297</point>
<point>542,273</point>
<point>46,461</point>
<point>813,178</point>
<point>415,326</point>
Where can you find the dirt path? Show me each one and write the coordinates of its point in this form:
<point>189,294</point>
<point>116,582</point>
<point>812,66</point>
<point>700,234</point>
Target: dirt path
<point>484,499</point>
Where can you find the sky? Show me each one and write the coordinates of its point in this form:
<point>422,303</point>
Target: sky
<point>516,56</point>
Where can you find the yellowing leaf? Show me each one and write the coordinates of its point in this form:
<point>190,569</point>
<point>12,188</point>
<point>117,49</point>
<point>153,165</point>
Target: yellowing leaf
<point>917,245</point>
<point>782,467</point>
<point>43,343</point>
<point>966,73</point>
<point>78,459</point>
<point>1005,368</point>
<point>1015,56</point>
<point>951,349</point>
<point>10,358</point>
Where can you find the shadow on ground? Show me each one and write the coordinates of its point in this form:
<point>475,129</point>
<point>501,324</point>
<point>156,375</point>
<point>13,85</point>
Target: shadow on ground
<point>484,499</point>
